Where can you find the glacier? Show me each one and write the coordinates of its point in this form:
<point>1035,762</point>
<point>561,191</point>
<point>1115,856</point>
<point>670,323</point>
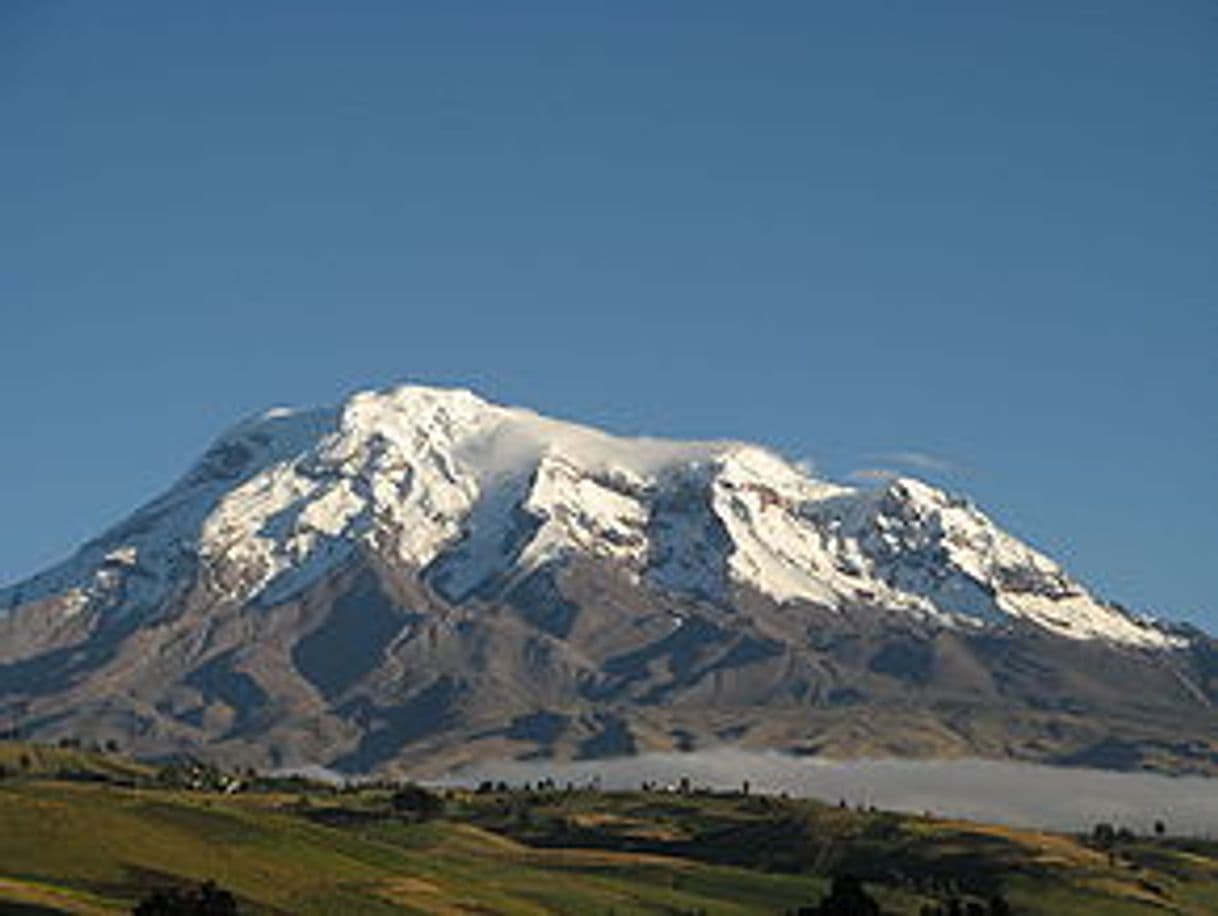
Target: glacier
<point>477,495</point>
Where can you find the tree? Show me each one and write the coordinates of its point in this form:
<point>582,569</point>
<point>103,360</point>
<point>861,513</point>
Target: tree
<point>846,898</point>
<point>416,801</point>
<point>999,906</point>
<point>208,900</point>
<point>1104,835</point>
<point>1160,829</point>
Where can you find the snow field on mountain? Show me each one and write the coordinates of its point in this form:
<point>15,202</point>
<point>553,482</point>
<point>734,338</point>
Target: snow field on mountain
<point>473,493</point>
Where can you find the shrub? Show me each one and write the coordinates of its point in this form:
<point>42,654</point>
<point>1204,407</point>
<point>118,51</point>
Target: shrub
<point>417,802</point>
<point>208,900</point>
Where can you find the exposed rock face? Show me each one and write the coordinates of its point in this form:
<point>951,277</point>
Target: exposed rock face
<point>419,577</point>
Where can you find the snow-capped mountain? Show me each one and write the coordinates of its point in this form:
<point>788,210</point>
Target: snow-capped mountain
<point>477,495</point>
<point>420,575</point>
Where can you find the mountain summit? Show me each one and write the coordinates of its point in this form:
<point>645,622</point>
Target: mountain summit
<point>475,496</point>
<point>419,575</point>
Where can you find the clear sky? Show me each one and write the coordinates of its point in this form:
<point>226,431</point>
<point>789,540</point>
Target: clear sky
<point>973,240</point>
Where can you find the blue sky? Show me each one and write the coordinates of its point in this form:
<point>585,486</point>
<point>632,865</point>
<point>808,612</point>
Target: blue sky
<point>971,240</point>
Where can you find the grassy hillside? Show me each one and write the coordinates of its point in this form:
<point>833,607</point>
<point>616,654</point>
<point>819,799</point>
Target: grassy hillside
<point>86,833</point>
<point>90,848</point>
<point>21,759</point>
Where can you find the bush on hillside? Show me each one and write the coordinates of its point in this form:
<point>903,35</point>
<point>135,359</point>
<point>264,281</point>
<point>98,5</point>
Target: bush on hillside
<point>846,898</point>
<point>207,900</point>
<point>415,801</point>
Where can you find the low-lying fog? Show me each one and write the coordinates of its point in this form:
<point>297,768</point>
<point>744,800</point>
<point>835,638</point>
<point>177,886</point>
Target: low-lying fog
<point>1012,793</point>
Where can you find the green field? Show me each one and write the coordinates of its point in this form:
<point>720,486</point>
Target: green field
<point>93,833</point>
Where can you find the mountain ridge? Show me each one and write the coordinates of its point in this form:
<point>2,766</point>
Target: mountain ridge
<point>420,577</point>
<point>322,477</point>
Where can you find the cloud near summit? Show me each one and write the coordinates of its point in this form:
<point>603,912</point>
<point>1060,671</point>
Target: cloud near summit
<point>922,461</point>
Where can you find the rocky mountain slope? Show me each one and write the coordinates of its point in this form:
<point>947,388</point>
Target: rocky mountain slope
<point>418,577</point>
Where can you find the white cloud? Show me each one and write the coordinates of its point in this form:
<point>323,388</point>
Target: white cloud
<point>1015,793</point>
<point>805,466</point>
<point>872,475</point>
<point>922,461</point>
